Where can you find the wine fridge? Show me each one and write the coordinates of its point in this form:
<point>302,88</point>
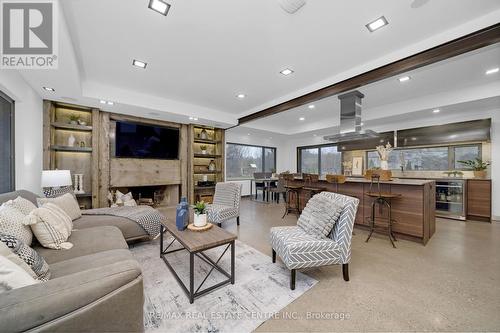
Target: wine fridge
<point>450,198</point>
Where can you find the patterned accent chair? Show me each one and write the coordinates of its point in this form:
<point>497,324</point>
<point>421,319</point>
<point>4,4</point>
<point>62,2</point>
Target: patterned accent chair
<point>226,203</point>
<point>298,249</point>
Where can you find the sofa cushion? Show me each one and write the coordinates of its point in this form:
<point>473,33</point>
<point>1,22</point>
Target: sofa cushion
<point>130,229</point>
<point>24,205</point>
<point>66,202</point>
<point>12,276</point>
<point>6,252</point>
<point>12,223</point>
<point>95,260</point>
<point>51,226</point>
<point>32,258</point>
<point>87,241</point>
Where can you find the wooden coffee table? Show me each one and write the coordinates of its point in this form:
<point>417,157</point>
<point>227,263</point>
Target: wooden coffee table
<point>195,243</point>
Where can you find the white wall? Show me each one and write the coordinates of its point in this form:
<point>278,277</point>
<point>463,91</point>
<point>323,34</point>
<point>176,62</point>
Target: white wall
<point>28,130</point>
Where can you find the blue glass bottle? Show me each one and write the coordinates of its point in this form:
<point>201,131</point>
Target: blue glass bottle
<point>182,215</point>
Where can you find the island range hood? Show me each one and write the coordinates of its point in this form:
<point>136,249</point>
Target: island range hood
<point>350,120</point>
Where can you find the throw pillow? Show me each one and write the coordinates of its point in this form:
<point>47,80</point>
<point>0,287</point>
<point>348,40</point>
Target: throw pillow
<point>319,216</point>
<point>130,203</point>
<point>24,205</point>
<point>28,255</point>
<point>12,223</point>
<point>50,224</point>
<point>51,192</point>
<point>13,276</point>
<point>66,202</point>
<point>7,253</point>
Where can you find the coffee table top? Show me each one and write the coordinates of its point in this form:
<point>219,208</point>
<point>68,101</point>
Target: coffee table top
<point>195,241</point>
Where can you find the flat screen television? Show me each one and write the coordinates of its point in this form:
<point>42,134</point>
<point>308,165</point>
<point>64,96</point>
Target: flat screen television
<point>146,141</point>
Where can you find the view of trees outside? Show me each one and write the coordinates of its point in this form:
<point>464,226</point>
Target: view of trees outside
<point>242,161</point>
<point>331,161</point>
<point>436,158</point>
<point>309,160</point>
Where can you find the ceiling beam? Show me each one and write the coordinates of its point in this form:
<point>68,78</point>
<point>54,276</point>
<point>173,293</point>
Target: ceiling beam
<point>464,44</point>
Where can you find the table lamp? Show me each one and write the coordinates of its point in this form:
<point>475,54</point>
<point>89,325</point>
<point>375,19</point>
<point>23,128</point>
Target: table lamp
<point>56,182</point>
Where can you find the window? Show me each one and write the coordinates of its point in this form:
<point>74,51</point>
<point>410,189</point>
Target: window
<point>422,159</point>
<point>243,160</point>
<point>319,160</point>
<point>6,143</point>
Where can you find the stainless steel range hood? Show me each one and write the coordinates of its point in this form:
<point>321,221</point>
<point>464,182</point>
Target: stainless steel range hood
<point>350,120</point>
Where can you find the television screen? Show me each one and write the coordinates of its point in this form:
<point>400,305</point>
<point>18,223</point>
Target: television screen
<point>146,141</point>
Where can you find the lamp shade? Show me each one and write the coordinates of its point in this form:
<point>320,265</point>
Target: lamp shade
<point>56,178</point>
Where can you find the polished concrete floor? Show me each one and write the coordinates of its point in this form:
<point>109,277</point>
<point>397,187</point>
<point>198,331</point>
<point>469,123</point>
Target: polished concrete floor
<point>451,284</point>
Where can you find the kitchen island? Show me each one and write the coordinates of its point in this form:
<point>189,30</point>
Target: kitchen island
<point>413,212</point>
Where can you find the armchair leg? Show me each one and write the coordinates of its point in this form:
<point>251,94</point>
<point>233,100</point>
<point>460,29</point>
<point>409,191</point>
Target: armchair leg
<point>292,279</point>
<point>345,271</point>
<point>238,220</point>
<point>274,256</point>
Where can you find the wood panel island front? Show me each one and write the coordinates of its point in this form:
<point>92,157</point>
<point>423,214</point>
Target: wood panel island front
<point>413,211</point>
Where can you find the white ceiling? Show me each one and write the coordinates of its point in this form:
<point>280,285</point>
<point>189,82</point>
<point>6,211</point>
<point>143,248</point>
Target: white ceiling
<point>204,52</point>
<point>429,87</point>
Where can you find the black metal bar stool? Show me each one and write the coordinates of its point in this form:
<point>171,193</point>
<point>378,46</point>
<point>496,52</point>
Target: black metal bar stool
<point>311,186</point>
<point>382,199</point>
<point>291,190</point>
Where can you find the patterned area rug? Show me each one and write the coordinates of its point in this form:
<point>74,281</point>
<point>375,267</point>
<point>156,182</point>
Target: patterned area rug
<point>261,290</point>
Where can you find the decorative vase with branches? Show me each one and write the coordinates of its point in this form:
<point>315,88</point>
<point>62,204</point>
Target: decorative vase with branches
<point>383,154</point>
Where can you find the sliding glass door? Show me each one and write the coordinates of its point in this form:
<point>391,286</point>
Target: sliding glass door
<point>6,143</point>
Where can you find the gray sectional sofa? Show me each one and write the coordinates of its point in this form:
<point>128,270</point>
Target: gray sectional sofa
<point>96,286</point>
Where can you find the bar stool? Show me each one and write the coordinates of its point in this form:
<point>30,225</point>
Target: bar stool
<point>382,199</point>
<point>336,179</point>
<point>291,190</point>
<point>310,186</point>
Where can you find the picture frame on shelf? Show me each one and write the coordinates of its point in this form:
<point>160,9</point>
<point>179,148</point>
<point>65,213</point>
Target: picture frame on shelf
<point>357,166</point>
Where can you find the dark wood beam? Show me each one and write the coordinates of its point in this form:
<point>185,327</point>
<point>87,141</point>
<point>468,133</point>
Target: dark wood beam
<point>464,44</point>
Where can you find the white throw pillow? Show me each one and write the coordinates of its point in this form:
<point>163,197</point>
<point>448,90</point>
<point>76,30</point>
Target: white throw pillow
<point>24,205</point>
<point>51,226</point>
<point>12,223</point>
<point>130,203</point>
<point>66,202</point>
<point>12,276</point>
<point>7,253</point>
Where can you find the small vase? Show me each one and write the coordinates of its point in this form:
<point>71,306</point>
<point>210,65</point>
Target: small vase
<point>211,166</point>
<point>71,140</point>
<point>384,165</point>
<point>200,220</point>
<point>204,152</point>
<point>203,134</point>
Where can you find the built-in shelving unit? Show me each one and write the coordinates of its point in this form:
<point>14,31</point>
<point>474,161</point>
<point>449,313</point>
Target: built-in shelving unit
<point>212,139</point>
<point>66,124</point>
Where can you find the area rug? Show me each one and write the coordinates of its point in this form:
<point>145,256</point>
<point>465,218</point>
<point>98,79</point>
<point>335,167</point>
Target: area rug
<point>261,290</point>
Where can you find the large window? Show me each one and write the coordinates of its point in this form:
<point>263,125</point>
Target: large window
<point>243,160</point>
<point>319,160</point>
<point>431,159</point>
<point>6,144</point>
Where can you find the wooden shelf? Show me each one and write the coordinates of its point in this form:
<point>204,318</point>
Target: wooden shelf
<point>207,156</point>
<point>71,149</point>
<point>65,126</point>
<point>207,141</point>
<point>208,172</point>
<point>201,188</point>
<point>83,195</point>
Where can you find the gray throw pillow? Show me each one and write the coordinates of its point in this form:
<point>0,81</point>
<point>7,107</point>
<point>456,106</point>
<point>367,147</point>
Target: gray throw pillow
<point>30,256</point>
<point>319,216</point>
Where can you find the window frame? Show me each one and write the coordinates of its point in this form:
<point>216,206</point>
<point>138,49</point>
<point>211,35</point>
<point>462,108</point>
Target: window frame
<point>263,148</point>
<point>299,156</point>
<point>12,140</point>
<point>451,153</point>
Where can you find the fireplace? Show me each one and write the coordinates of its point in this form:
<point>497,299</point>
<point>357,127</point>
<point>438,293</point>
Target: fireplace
<point>156,196</point>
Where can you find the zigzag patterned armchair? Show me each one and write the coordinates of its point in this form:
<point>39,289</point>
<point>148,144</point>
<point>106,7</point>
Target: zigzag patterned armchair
<point>298,248</point>
<point>226,203</point>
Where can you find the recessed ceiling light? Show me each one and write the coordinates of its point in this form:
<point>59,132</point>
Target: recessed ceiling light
<point>159,6</point>
<point>311,106</point>
<point>377,24</point>
<point>315,134</point>
<point>492,71</point>
<point>140,64</point>
<point>193,118</point>
<point>241,96</point>
<point>49,89</point>
<point>362,124</point>
<point>102,101</point>
<point>436,110</point>
<point>286,71</point>
<point>248,133</point>
<point>302,118</point>
<point>111,103</point>
<point>404,78</point>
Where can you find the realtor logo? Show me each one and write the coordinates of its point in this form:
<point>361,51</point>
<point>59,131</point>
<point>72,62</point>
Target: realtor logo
<point>29,34</point>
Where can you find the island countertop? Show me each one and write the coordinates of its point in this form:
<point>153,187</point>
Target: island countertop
<point>413,211</point>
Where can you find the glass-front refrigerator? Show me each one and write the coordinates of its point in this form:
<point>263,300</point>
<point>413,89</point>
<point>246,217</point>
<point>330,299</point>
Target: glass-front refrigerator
<point>450,198</point>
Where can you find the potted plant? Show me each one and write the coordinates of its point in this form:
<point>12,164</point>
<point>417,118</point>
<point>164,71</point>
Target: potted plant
<point>73,119</point>
<point>477,165</point>
<point>203,149</point>
<point>200,215</point>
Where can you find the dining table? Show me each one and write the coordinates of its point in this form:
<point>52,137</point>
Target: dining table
<point>267,183</point>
